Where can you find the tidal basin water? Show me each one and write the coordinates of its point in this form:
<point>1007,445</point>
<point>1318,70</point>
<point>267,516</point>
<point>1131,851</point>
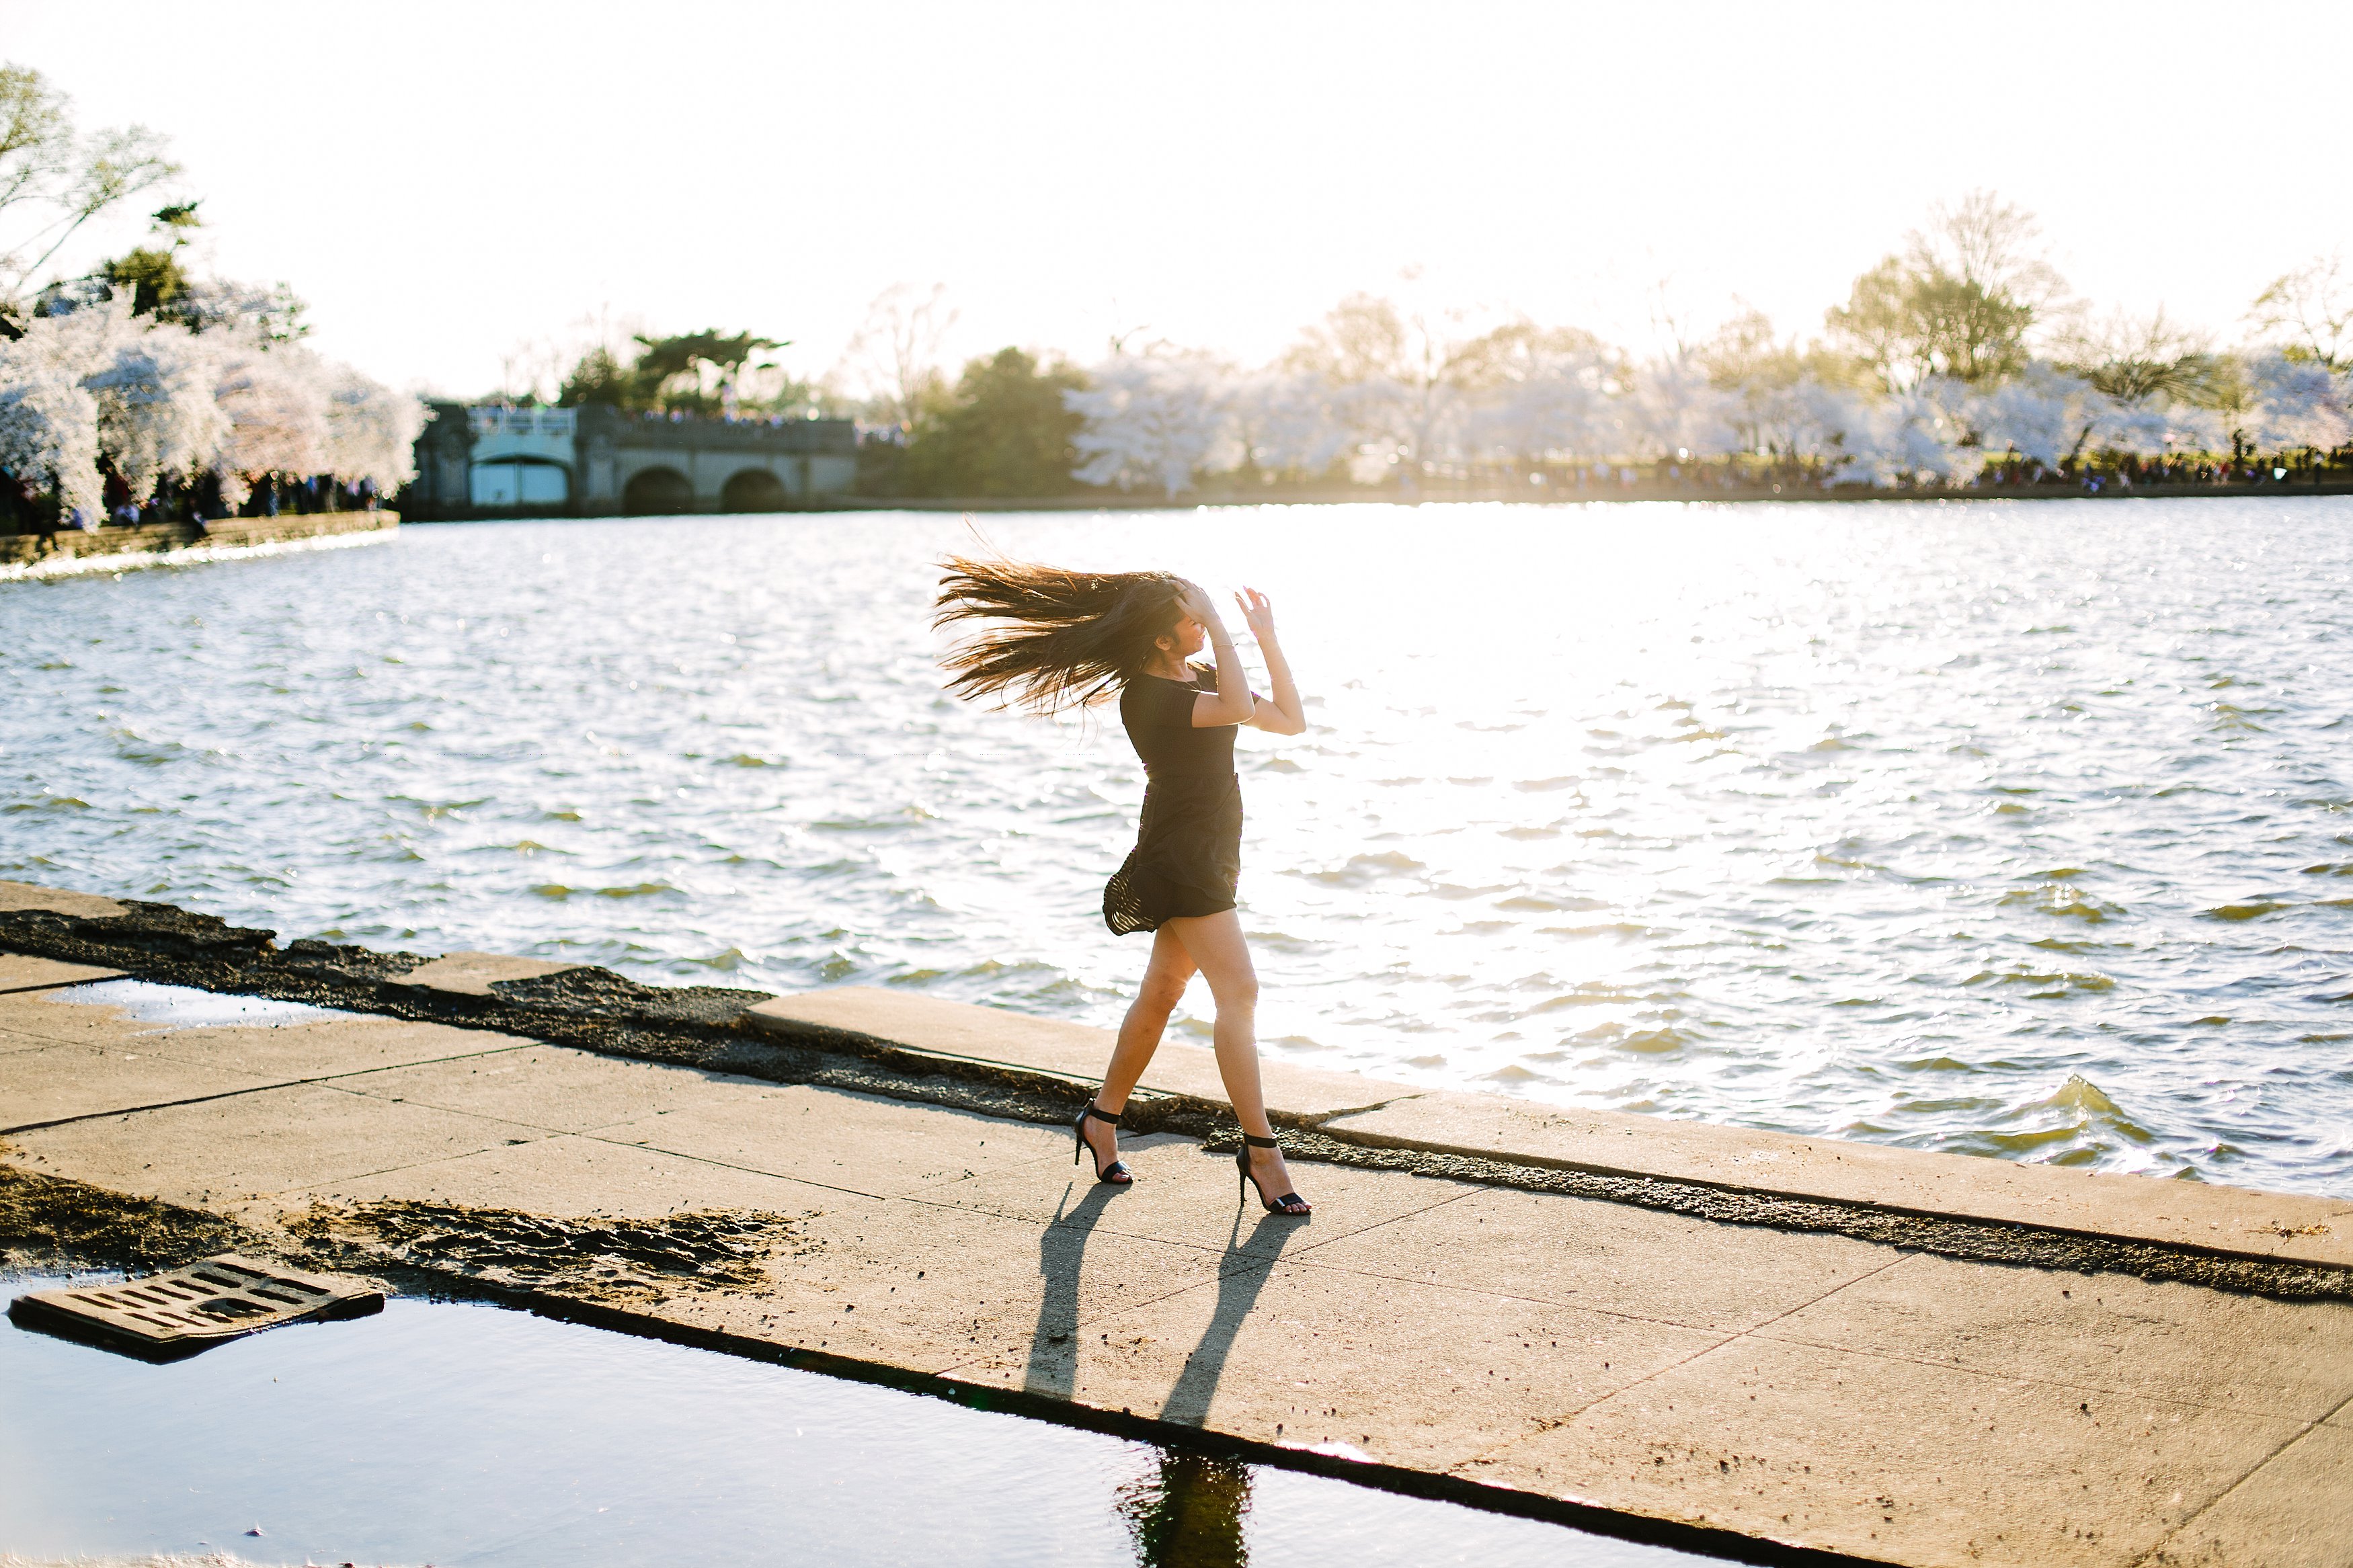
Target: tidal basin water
<point>2016,829</point>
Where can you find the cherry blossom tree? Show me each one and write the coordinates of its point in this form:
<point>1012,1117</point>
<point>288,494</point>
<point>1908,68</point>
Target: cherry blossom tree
<point>1908,437</point>
<point>158,416</point>
<point>372,431</point>
<point>1678,411</point>
<point>1292,421</point>
<point>1548,396</point>
<point>48,421</point>
<point>87,382</point>
<point>1154,418</point>
<point>2292,402</point>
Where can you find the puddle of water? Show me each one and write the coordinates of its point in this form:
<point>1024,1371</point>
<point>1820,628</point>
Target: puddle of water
<point>185,1007</point>
<point>471,1436</point>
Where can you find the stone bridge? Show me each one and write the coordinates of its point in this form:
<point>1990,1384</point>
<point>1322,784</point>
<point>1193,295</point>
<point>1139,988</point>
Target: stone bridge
<point>501,461</point>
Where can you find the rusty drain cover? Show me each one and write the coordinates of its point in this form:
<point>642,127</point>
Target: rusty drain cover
<point>169,1315</point>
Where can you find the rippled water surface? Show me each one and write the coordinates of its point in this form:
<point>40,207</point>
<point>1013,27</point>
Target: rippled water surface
<point>2021,829</point>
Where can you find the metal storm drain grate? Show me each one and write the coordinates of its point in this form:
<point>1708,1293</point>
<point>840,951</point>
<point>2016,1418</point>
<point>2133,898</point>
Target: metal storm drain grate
<point>182,1313</point>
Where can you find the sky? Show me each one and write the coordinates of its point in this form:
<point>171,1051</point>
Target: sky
<point>459,190</point>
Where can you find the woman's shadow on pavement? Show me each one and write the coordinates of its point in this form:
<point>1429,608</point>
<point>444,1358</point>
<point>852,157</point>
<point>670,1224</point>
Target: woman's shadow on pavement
<point>1242,1272</point>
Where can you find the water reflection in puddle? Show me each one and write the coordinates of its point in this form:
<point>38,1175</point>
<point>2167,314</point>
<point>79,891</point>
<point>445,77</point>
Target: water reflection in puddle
<point>464,1434</point>
<point>185,1007</point>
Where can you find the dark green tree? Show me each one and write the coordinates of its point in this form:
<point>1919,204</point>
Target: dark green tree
<point>601,378</point>
<point>1002,431</point>
<point>673,369</point>
<point>694,373</point>
<point>152,273</point>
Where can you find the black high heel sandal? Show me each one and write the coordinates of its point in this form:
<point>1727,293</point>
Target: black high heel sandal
<point>1116,1174</point>
<point>1289,1202</point>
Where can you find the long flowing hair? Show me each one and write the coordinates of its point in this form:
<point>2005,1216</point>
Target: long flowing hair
<point>1054,639</point>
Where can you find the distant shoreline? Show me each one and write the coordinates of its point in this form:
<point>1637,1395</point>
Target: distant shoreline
<point>1558,498</point>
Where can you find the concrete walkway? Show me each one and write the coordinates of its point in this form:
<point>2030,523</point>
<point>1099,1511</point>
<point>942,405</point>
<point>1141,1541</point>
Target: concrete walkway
<point>1802,1387</point>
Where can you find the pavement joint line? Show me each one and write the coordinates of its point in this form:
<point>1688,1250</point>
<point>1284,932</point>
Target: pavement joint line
<point>2030,1379</point>
<point>1305,1262</point>
<point>1735,1337</point>
<point>728,1165</point>
<point>2154,1553</point>
<point>329,1080</point>
<point>277,1193</point>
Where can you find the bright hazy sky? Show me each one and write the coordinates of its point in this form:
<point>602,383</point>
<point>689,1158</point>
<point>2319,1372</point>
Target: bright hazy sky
<point>446,182</point>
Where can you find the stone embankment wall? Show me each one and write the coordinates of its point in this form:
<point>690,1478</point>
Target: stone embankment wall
<point>22,550</point>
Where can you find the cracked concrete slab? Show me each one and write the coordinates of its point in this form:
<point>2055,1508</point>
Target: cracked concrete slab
<point>553,1088</point>
<point>16,896</point>
<point>46,1016</point>
<point>1893,1459</point>
<point>1578,1252</point>
<point>55,1083</point>
<point>257,1143</point>
<point>2130,1339</point>
<point>473,974</point>
<point>291,1053</point>
<point>853,1141</point>
<point>1289,1352</point>
<point>556,1174</point>
<point>10,1041</point>
<point>911,1284</point>
<point>2271,1517</point>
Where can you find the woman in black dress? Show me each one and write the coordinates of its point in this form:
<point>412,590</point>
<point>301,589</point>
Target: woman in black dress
<point>1064,639</point>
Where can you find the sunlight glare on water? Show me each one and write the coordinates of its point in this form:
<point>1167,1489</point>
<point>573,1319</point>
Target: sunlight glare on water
<point>2013,829</point>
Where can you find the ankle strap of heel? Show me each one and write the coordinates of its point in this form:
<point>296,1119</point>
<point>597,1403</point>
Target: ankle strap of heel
<point>1260,1142</point>
<point>1100,1116</point>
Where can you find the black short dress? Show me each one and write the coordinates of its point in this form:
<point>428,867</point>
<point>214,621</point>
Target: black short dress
<point>1189,848</point>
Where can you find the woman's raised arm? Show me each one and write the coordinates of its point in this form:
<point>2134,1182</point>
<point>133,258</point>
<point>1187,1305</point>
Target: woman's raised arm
<point>1231,702</point>
<point>1284,715</point>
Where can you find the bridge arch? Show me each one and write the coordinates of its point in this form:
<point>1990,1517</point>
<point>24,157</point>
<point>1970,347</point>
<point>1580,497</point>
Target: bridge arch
<point>754,490</point>
<point>518,481</point>
<point>657,491</point>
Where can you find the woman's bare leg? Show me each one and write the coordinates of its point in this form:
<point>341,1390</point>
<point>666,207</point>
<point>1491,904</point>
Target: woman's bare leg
<point>1216,947</point>
<point>1166,975</point>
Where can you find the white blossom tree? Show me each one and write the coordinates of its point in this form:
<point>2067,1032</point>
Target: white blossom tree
<point>1677,410</point>
<point>276,399</point>
<point>1292,421</point>
<point>48,424</point>
<point>2294,402</point>
<point>1909,437</point>
<point>1548,397</point>
<point>2044,414</point>
<point>372,431</point>
<point>158,416</point>
<point>1154,418</point>
<point>88,382</point>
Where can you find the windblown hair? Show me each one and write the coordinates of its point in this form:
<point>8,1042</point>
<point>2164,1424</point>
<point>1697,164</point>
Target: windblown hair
<point>1062,639</point>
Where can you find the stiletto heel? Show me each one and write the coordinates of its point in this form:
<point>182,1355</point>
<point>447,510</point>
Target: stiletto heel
<point>1116,1174</point>
<point>1289,1202</point>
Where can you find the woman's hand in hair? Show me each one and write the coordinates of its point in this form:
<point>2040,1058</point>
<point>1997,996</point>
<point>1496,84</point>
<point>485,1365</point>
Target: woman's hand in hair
<point>1202,608</point>
<point>1258,613</point>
